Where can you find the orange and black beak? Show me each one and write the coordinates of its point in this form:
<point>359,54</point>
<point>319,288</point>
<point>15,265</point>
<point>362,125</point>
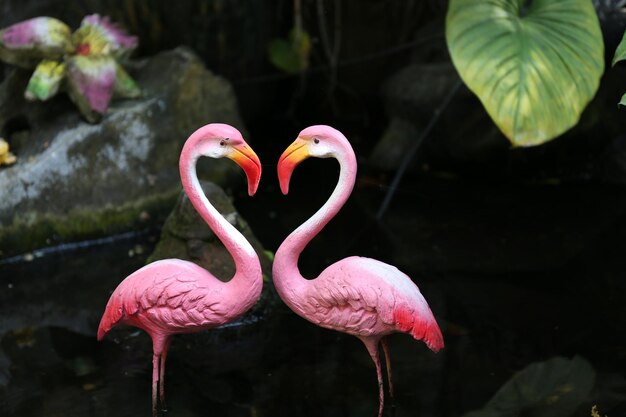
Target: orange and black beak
<point>297,152</point>
<point>245,157</point>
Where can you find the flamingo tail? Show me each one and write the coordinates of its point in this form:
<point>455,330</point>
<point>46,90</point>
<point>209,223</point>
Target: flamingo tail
<point>420,328</point>
<point>111,317</point>
<point>430,334</point>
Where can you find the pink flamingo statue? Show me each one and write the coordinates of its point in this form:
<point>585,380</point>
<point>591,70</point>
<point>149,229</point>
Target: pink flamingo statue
<point>174,296</point>
<point>359,296</point>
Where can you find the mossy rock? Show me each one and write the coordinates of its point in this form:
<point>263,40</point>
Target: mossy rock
<point>75,180</point>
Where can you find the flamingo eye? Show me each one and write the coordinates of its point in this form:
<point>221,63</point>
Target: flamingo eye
<point>316,140</point>
<point>222,142</point>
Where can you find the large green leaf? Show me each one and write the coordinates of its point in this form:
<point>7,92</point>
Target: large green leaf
<point>534,66</point>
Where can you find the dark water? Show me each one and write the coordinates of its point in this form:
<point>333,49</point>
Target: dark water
<point>515,274</point>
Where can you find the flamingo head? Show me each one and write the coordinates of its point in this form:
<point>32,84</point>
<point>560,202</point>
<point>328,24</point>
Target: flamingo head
<point>318,141</point>
<point>219,140</point>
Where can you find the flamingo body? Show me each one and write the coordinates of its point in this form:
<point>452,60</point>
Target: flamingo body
<point>365,297</point>
<point>174,296</point>
<point>171,296</point>
<point>359,296</point>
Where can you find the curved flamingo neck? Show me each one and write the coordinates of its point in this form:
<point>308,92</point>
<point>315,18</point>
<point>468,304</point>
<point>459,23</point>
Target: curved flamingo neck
<point>287,277</point>
<point>248,267</point>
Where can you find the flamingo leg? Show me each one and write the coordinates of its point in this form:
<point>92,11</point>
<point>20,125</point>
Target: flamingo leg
<point>162,374</point>
<point>160,343</point>
<point>372,348</point>
<point>388,362</point>
<point>155,379</point>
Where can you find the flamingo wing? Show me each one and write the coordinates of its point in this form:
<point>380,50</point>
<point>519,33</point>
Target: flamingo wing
<point>342,300</point>
<point>182,304</point>
<point>364,297</point>
<point>175,295</point>
<point>336,304</point>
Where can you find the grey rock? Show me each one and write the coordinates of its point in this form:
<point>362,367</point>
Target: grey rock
<point>74,179</point>
<point>463,133</point>
<point>417,89</point>
<point>393,145</point>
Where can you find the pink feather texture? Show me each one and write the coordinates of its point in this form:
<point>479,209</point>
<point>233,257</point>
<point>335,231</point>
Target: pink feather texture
<point>359,296</point>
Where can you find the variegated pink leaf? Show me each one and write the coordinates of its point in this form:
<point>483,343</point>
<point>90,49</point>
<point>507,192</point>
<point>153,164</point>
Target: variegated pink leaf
<point>96,29</point>
<point>125,86</point>
<point>32,40</point>
<point>45,81</point>
<point>91,80</point>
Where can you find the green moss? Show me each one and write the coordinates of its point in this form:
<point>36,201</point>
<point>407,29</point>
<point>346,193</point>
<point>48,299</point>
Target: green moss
<point>169,247</point>
<point>30,230</point>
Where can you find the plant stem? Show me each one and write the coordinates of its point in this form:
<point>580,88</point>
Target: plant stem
<point>411,153</point>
